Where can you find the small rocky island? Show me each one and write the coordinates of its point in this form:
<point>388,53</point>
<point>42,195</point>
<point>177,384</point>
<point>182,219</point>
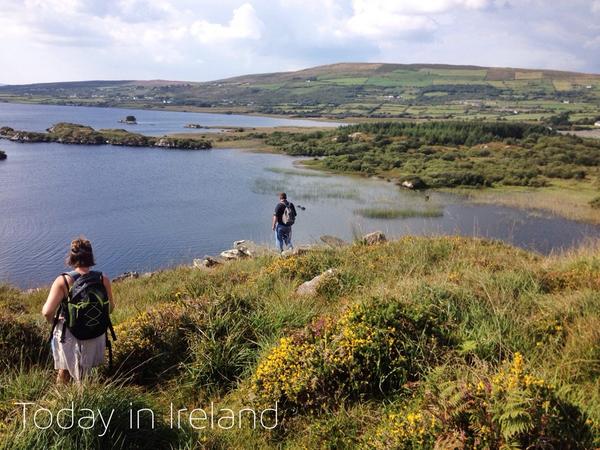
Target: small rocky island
<point>2,155</point>
<point>70,133</point>
<point>129,120</point>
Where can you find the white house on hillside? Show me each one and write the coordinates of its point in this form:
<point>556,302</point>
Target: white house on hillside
<point>597,124</point>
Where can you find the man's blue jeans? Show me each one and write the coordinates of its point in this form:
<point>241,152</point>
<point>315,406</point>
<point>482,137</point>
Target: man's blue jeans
<point>283,235</point>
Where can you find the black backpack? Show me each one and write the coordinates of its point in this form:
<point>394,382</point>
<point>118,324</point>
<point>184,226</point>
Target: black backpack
<point>289,214</point>
<point>86,308</point>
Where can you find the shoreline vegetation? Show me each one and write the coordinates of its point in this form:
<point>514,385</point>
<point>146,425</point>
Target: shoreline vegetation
<point>527,166</point>
<point>522,165</point>
<point>406,344</point>
<point>69,133</point>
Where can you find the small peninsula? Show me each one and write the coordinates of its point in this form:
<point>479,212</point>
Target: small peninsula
<point>69,133</point>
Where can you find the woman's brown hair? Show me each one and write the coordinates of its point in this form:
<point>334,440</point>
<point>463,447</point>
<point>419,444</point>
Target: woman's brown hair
<point>80,253</point>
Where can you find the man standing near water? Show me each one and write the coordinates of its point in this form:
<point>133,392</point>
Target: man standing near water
<point>283,219</point>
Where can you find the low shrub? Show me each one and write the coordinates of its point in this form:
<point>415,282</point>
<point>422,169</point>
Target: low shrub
<point>152,345</point>
<point>23,343</point>
<point>509,409</point>
<point>372,349</point>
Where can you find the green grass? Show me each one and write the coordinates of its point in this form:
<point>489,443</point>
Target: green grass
<point>451,309</point>
<point>398,213</point>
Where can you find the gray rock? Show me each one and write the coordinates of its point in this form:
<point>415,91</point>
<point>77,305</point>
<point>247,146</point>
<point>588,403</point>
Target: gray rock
<point>234,253</point>
<point>206,262</point>
<point>333,241</point>
<point>311,287</point>
<point>126,276</point>
<point>375,237</point>
<point>250,248</point>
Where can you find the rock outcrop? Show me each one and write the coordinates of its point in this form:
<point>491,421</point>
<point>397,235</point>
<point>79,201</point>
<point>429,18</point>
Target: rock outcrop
<point>333,241</point>
<point>126,276</point>
<point>311,287</point>
<point>206,262</point>
<point>373,238</point>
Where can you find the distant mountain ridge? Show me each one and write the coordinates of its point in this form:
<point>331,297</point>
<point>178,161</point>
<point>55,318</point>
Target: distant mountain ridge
<point>343,90</point>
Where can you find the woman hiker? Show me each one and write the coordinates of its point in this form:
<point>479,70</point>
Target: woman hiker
<point>79,303</point>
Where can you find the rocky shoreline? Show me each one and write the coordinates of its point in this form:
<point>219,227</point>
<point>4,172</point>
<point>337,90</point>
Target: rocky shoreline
<point>243,249</point>
<point>69,133</point>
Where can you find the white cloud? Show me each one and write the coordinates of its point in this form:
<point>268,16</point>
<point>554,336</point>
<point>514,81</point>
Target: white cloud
<point>244,24</point>
<point>208,39</point>
<point>418,6</point>
<point>390,20</point>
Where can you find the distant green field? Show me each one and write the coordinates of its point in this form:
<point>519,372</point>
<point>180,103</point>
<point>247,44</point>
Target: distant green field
<point>353,90</point>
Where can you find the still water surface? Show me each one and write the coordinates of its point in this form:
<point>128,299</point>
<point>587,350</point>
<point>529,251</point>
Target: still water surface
<point>145,209</point>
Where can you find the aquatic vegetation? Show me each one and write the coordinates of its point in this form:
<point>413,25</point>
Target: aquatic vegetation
<point>297,172</point>
<point>312,191</point>
<point>398,213</point>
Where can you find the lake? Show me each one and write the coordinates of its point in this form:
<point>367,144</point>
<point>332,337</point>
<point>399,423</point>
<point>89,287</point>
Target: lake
<point>149,122</point>
<point>145,209</point>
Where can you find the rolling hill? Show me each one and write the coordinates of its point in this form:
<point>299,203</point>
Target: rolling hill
<point>348,90</point>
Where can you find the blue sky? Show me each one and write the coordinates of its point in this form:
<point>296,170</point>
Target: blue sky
<point>59,40</point>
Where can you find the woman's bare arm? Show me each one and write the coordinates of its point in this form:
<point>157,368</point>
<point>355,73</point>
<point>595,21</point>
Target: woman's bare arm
<point>57,293</point>
<point>108,287</point>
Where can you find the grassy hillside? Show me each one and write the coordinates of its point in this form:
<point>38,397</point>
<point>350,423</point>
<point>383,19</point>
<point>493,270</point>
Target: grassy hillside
<point>350,90</point>
<point>421,342</point>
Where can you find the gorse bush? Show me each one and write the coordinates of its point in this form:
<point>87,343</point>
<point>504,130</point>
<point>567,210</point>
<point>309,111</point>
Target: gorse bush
<point>416,343</point>
<point>374,347</point>
<point>508,409</point>
<point>511,408</point>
